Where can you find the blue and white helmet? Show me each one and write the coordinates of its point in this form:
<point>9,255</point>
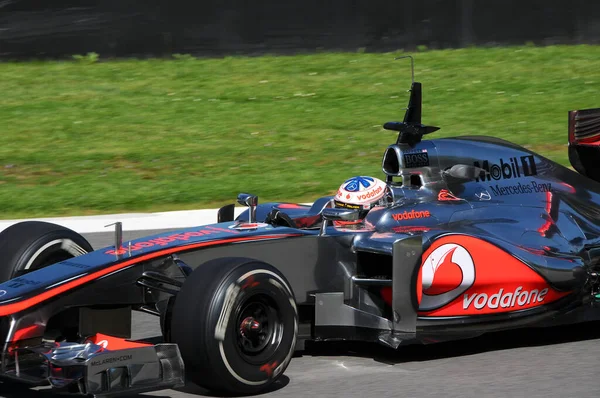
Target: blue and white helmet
<point>362,192</point>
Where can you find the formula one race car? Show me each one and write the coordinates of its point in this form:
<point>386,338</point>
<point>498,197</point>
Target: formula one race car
<point>478,235</point>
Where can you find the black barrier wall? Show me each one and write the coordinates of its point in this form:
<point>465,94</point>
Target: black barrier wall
<point>61,28</point>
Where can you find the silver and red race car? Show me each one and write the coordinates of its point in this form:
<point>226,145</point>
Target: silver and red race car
<point>478,235</point>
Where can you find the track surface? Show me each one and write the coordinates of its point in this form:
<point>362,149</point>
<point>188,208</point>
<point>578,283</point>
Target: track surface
<point>556,362</point>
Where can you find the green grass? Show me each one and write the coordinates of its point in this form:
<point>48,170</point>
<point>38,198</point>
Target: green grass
<point>137,135</point>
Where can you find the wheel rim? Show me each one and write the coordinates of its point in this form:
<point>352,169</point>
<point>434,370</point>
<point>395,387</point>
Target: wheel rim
<point>259,328</point>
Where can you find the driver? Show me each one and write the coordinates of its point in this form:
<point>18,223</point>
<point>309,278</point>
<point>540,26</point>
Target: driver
<point>362,193</point>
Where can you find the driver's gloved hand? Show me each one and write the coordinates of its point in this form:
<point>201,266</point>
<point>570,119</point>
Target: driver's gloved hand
<point>278,218</point>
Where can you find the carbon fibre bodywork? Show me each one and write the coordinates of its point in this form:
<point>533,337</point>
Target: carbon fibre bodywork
<point>481,235</point>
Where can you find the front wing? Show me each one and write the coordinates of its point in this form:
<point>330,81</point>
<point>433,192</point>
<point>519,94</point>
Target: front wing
<point>91,369</point>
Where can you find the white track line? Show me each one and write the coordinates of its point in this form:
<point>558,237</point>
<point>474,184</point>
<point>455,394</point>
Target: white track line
<point>133,221</point>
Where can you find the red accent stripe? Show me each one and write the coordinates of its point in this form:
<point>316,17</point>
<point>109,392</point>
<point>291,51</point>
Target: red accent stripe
<point>113,343</point>
<point>291,206</point>
<point>544,228</point>
<point>591,141</point>
<point>13,308</point>
<point>25,333</point>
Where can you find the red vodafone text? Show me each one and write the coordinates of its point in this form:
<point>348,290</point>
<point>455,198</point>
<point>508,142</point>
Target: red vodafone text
<point>411,215</point>
<point>517,298</point>
<point>371,194</point>
<point>164,241</point>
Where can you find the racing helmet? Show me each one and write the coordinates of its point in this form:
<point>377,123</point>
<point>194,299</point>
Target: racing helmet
<point>362,193</point>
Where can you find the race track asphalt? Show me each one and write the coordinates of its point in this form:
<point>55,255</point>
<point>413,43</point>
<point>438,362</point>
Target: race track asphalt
<point>555,362</point>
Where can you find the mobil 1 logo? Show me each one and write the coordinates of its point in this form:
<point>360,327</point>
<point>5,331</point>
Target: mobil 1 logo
<point>514,167</point>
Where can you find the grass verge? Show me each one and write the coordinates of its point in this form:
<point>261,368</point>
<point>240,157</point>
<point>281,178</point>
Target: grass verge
<point>87,137</point>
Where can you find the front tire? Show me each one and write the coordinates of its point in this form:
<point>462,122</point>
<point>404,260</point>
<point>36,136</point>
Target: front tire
<point>235,321</point>
<point>31,245</point>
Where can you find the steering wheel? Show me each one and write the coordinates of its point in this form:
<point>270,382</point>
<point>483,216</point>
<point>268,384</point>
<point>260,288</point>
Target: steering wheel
<point>278,218</point>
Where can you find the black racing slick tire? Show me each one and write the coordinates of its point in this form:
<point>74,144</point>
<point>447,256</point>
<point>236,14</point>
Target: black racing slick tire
<point>31,245</point>
<point>235,321</point>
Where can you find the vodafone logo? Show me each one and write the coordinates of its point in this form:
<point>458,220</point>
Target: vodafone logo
<point>447,273</point>
<point>502,283</point>
<point>369,195</point>
<point>411,215</point>
<point>501,299</point>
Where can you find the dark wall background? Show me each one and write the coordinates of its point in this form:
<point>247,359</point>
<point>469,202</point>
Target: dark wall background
<point>61,28</point>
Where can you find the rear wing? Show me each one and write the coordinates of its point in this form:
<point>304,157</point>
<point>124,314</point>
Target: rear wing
<point>584,142</point>
<point>584,126</point>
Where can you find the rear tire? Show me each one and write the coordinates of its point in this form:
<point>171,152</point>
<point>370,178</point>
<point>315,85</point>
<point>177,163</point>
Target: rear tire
<point>31,245</point>
<point>235,321</point>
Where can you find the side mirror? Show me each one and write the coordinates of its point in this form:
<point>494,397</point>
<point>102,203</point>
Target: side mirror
<point>335,214</point>
<point>250,201</point>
